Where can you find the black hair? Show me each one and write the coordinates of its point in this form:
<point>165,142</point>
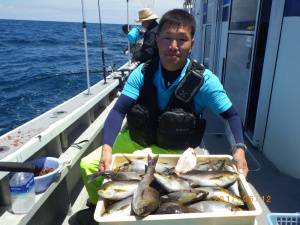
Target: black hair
<point>178,17</point>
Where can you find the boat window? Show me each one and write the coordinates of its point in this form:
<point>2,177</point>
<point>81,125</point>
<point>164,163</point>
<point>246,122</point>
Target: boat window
<point>238,71</point>
<point>243,14</point>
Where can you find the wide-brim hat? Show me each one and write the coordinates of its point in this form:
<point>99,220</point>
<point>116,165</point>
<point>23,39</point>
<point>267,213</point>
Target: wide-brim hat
<point>146,14</point>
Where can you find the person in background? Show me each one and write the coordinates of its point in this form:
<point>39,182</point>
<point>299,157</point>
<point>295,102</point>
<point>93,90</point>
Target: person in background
<point>163,100</point>
<point>135,35</point>
<point>135,38</point>
<point>149,48</point>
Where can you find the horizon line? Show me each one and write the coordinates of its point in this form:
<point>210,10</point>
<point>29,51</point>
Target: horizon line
<point>34,20</point>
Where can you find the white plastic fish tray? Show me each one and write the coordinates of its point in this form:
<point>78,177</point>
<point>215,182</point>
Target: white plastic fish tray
<point>284,218</point>
<point>215,218</point>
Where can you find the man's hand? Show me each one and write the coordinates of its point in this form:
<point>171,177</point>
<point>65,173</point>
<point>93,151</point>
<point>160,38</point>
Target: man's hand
<point>240,161</point>
<point>105,160</point>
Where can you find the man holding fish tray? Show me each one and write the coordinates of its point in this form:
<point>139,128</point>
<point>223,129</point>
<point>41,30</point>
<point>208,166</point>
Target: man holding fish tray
<point>163,100</point>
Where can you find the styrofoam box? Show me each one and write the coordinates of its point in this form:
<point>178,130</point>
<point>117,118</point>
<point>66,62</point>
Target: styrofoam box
<point>216,218</point>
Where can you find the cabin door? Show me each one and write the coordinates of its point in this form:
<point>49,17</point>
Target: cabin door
<point>210,33</point>
<point>238,62</point>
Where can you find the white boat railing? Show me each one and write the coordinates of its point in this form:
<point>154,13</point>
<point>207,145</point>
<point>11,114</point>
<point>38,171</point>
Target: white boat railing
<point>70,157</point>
<point>74,109</point>
<point>82,123</point>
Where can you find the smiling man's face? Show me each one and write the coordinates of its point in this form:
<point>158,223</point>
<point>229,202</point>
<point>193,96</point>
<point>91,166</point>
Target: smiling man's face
<point>174,45</point>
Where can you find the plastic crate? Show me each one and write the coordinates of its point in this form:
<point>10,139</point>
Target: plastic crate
<point>217,218</point>
<point>284,218</point>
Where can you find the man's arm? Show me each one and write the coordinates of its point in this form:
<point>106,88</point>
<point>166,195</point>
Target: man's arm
<point>115,118</point>
<point>235,124</point>
<point>112,127</point>
<point>239,148</point>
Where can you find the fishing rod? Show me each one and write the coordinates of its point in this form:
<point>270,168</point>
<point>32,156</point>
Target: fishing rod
<point>101,44</point>
<point>85,47</point>
<point>129,55</point>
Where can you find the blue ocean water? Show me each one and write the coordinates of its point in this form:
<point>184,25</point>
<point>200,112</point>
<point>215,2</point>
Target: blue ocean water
<point>42,64</point>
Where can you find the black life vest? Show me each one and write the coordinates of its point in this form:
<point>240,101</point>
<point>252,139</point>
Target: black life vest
<point>179,127</point>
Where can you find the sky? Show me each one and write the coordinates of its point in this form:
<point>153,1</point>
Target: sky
<point>112,11</point>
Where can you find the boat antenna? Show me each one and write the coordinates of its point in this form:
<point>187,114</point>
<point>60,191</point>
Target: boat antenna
<point>85,47</point>
<point>101,44</point>
<point>129,55</point>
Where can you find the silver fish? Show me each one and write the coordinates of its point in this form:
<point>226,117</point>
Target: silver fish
<point>172,182</point>
<point>139,165</point>
<point>234,188</point>
<point>145,199</point>
<point>221,194</point>
<point>214,206</point>
<point>117,190</point>
<point>184,197</point>
<point>173,208</point>
<point>210,165</point>
<point>210,178</point>
<point>121,175</point>
<point>124,175</point>
<point>229,168</point>
<point>119,208</point>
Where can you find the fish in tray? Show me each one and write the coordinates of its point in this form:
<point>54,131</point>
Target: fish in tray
<point>139,187</point>
<point>210,165</point>
<point>117,190</point>
<point>221,194</point>
<point>210,178</point>
<point>184,197</point>
<point>139,165</point>
<point>171,182</point>
<point>119,208</point>
<point>117,176</point>
<point>145,199</point>
<point>174,208</point>
<point>214,206</point>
